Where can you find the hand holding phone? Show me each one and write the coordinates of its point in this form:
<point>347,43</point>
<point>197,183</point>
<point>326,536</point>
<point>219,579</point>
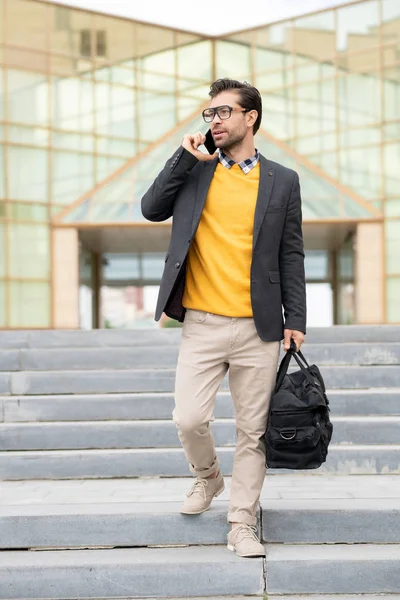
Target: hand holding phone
<point>191,142</point>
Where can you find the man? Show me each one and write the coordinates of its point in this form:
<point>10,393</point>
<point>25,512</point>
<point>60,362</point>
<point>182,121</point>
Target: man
<point>235,257</point>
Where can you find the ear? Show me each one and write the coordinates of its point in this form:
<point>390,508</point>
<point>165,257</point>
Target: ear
<point>252,116</point>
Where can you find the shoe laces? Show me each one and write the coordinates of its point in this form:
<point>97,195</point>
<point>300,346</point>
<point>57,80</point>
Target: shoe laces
<point>199,487</point>
<point>246,531</point>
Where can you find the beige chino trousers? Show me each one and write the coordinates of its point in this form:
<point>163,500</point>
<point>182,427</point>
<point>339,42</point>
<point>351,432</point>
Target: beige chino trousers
<point>212,344</point>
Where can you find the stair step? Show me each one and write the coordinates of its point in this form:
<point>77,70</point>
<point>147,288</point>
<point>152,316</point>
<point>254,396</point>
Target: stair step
<point>121,358</point>
<point>162,380</point>
<point>163,434</point>
<point>161,572</point>
<point>132,524</point>
<point>211,570</point>
<point>336,334</point>
<point>99,407</point>
<point>336,569</point>
<point>171,462</point>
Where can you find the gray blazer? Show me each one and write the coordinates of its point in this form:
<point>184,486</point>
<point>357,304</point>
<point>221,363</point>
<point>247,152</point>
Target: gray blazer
<point>277,267</point>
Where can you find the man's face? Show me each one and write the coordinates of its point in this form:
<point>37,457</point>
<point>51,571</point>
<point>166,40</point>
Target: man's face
<point>228,132</point>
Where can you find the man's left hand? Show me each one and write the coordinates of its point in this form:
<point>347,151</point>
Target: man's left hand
<point>297,336</point>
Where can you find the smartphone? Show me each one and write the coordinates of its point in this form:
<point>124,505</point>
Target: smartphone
<point>209,143</point>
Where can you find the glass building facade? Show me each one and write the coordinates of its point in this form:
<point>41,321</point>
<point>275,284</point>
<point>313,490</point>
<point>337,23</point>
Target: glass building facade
<point>91,106</point>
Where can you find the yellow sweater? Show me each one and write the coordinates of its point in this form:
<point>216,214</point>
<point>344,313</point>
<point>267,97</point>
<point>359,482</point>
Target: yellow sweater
<point>219,259</point>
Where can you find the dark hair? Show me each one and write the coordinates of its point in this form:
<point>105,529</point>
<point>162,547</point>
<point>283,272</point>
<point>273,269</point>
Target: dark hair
<point>250,97</point>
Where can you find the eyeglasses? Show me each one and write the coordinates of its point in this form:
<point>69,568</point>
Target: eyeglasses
<point>224,112</point>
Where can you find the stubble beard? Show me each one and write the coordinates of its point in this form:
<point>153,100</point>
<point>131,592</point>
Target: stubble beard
<point>231,142</point>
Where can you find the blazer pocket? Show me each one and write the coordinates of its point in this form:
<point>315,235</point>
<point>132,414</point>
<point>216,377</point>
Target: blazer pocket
<point>274,276</point>
<point>166,258</point>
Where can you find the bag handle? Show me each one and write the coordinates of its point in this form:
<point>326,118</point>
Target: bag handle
<point>283,367</point>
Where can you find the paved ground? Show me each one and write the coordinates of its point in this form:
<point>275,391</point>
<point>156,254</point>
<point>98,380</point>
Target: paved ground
<point>285,487</point>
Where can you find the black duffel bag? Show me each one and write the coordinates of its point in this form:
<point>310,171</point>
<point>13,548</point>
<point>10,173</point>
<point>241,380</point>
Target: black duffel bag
<point>298,429</point>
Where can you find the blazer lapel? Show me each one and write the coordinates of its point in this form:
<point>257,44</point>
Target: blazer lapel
<point>267,174</point>
<point>201,192</point>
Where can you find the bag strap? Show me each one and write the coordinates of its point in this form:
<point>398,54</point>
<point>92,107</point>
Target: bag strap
<point>283,367</point>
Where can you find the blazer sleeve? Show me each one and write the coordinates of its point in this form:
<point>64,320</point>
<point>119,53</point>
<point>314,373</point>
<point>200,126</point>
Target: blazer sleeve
<point>291,263</point>
<point>158,202</point>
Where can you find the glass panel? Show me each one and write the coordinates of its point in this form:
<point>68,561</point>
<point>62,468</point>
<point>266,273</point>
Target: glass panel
<point>232,60</point>
<point>199,54</point>
<point>157,115</point>
<point>391,166</point>
<point>315,36</point>
<point>357,26</point>
<point>392,207</point>
<point>121,267</point>
<point>72,104</point>
<point>153,265</point>
<point>392,235</point>
<point>391,90</point>
<point>35,136</point>
<point>360,137</point>
<point>27,173</point>
<point>73,141</point>
<point>162,63</point>
<point>1,90</point>
<point>360,169</point>
<point>278,109</point>
<point>28,95</point>
<point>30,304</point>
<point>275,79</point>
<point>116,147</point>
<point>2,304</point>
<point>359,100</point>
<point>2,173</point>
<point>315,108</point>
<point>187,106</point>
<point>393,300</point>
<point>115,74</point>
<point>29,247</point>
<point>391,131</point>
<point>73,175</point>
<point>66,30</point>
<point>272,60</point>
<point>105,165</point>
<point>27,24</point>
<point>319,143</point>
<point>28,212</point>
<point>115,110</point>
<point>2,251</point>
<point>316,264</point>
<point>345,262</point>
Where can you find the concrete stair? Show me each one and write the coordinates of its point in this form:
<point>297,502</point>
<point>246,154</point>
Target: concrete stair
<point>93,476</point>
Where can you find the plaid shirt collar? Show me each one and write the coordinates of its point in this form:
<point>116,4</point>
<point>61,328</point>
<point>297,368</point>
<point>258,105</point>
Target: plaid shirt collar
<point>245,165</point>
